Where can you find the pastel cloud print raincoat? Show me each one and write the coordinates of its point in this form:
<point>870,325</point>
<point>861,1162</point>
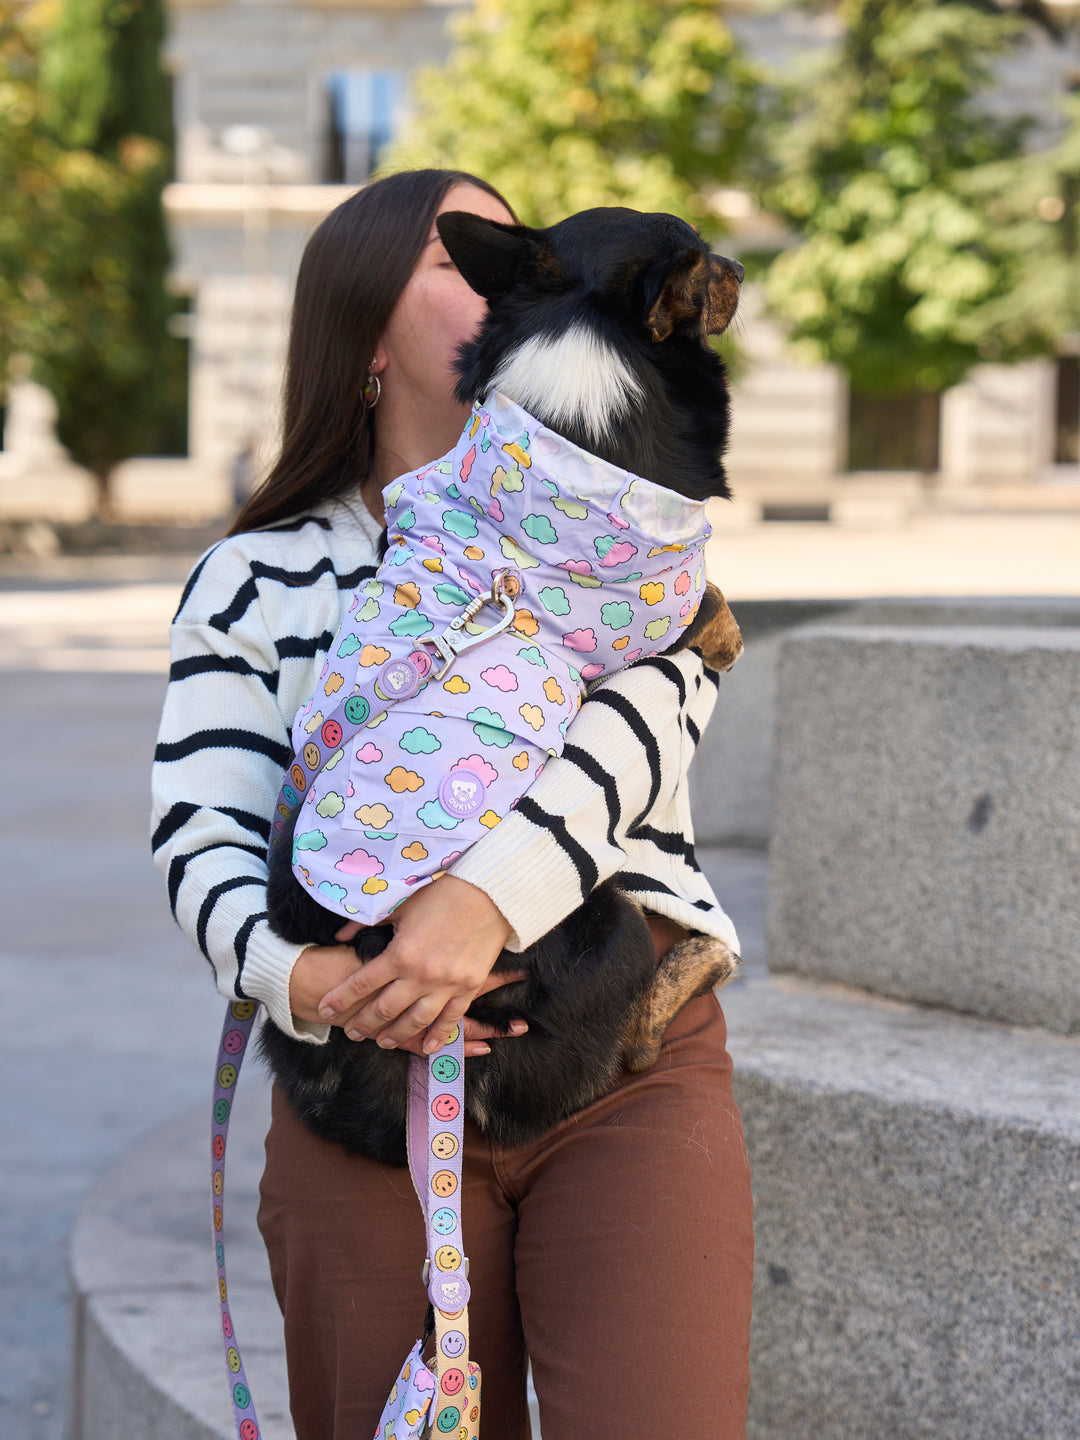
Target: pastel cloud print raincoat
<point>609,566</point>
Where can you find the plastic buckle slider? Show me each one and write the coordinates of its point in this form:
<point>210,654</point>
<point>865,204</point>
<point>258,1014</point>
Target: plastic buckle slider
<point>425,1270</point>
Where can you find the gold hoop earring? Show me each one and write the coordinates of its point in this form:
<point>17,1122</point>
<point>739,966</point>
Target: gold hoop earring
<point>372,390</point>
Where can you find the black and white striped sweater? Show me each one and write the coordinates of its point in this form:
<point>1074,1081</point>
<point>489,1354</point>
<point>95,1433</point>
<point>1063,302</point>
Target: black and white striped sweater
<point>254,624</point>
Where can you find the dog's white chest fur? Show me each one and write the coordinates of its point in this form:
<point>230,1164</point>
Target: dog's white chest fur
<point>572,379</point>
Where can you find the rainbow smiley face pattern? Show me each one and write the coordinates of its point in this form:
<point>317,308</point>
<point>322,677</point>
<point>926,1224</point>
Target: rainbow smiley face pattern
<point>606,567</point>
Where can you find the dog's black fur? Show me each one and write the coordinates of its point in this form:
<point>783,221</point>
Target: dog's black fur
<point>595,1000</point>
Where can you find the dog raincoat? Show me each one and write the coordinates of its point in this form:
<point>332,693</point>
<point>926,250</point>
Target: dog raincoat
<point>608,566</point>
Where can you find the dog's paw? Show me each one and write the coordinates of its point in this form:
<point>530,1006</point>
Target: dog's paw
<point>719,639</point>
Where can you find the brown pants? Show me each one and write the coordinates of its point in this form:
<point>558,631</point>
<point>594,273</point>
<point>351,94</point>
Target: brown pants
<point>616,1253</point>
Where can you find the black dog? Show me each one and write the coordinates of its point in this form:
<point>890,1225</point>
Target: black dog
<point>599,327</point>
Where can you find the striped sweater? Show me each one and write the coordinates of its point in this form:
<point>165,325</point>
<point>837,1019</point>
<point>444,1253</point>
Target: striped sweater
<point>252,630</point>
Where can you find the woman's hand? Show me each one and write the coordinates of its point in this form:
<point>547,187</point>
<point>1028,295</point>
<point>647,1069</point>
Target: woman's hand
<point>320,966</point>
<point>446,939</point>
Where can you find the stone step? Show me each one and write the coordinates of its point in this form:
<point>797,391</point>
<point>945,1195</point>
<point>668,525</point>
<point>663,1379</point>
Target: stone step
<point>916,1180</point>
<point>731,779</point>
<point>148,1361</point>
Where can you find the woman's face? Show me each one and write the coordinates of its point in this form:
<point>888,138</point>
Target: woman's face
<point>434,314</point>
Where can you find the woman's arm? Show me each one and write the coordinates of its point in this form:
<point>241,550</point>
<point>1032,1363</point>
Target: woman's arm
<point>222,748</point>
<point>626,756</point>
<point>223,745</point>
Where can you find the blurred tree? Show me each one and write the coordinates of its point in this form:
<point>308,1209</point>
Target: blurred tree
<point>90,166</point>
<point>879,167</point>
<point>567,104</point>
<point>1034,206</point>
<point>28,163</point>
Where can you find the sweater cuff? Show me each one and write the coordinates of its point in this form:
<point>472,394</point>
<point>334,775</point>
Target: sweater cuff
<point>268,967</point>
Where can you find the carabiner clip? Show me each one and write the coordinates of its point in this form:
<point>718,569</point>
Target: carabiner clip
<point>454,638</point>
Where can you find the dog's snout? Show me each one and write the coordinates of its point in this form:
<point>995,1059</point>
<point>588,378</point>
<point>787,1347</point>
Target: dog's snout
<point>725,280</point>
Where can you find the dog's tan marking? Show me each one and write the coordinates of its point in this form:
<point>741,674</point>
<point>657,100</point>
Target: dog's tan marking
<point>692,967</point>
<point>707,290</point>
<point>682,297</point>
<point>724,287</point>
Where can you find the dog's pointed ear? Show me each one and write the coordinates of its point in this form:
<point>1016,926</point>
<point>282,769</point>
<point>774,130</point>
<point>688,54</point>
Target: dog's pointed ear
<point>491,255</point>
<point>694,286</point>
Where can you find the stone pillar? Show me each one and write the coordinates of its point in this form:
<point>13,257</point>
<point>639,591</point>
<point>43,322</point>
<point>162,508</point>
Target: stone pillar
<point>998,426</point>
<point>239,339</point>
<point>789,421</point>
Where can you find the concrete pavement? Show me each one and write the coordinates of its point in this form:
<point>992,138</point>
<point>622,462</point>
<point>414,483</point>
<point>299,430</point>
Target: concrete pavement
<point>109,1014</point>
<point>939,555</point>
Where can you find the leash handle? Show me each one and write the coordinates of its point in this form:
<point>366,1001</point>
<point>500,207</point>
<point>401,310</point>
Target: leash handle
<point>232,1047</point>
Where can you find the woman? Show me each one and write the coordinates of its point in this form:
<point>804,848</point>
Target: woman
<point>616,1253</point>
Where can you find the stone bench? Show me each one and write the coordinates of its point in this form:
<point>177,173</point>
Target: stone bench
<point>917,1170</point>
<point>926,817</point>
<point>916,1180</point>
<point>731,780</point>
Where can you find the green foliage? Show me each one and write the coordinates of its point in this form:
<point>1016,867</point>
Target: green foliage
<point>877,170</point>
<point>1034,207</point>
<point>27,178</point>
<point>100,75</point>
<point>567,104</point>
<point>84,132</point>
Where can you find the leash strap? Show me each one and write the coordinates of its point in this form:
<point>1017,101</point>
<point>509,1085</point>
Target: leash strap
<point>436,1129</point>
<point>435,1136</point>
<point>235,1034</point>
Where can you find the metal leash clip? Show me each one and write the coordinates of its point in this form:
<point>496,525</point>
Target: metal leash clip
<point>454,639</point>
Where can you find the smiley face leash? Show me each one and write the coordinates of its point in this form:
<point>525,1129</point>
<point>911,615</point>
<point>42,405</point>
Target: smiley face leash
<point>436,1126</point>
<point>235,1034</point>
<point>436,1121</point>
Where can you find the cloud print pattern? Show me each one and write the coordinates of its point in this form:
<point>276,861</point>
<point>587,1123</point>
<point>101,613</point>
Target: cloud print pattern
<point>609,565</point>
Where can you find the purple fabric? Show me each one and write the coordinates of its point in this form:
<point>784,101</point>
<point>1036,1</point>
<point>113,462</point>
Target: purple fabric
<point>610,566</point>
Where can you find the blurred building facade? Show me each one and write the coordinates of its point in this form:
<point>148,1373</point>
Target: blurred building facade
<point>283,106</point>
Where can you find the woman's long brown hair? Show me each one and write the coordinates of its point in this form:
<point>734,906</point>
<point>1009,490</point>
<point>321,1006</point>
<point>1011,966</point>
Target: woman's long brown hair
<point>353,271</point>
